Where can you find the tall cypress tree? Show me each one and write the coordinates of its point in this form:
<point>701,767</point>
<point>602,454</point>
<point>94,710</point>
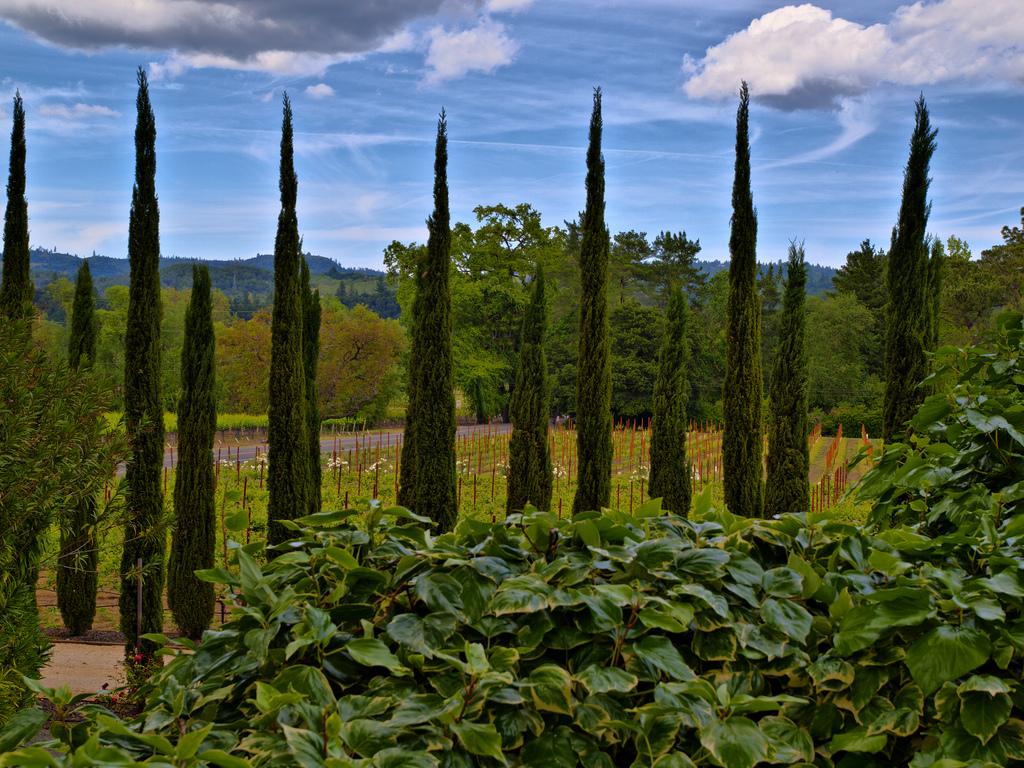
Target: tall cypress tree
<point>594,381</point>
<point>16,284</point>
<point>670,471</point>
<point>194,537</point>
<point>77,577</point>
<point>288,428</point>
<point>310,354</point>
<point>434,420</point>
<point>787,489</point>
<point>742,440</point>
<point>143,406</point>
<point>908,309</point>
<point>529,457</point>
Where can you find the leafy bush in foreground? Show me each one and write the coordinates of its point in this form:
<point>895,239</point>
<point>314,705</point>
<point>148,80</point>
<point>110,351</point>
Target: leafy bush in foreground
<point>964,465</point>
<point>607,640</point>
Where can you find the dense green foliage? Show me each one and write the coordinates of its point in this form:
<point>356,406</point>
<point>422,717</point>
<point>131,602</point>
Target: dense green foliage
<point>55,451</point>
<point>594,379</point>
<point>786,485</point>
<point>310,356</point>
<point>529,456</point>
<point>670,475</point>
<point>194,534</point>
<point>16,282</point>
<point>605,640</point>
<point>77,577</point>
<point>145,532</point>
<point>434,431</point>
<point>742,444</point>
<point>287,433</point>
<point>907,311</point>
<point>963,467</point>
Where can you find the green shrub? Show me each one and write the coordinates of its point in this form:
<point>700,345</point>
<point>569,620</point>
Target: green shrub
<point>607,640</point>
<point>964,463</point>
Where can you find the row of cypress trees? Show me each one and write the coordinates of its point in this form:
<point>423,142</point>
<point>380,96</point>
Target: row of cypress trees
<point>427,472</point>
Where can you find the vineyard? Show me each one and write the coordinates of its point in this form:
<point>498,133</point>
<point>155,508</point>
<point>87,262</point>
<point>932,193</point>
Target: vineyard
<point>364,464</point>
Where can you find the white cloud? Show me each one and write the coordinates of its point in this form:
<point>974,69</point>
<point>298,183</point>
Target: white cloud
<point>801,56</point>
<point>856,120</point>
<point>77,111</point>
<point>319,91</point>
<point>510,6</point>
<point>482,48</point>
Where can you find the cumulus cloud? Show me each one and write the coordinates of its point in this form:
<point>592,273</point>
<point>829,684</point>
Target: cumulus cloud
<point>298,37</point>
<point>482,48</point>
<point>319,91</point>
<point>801,56</point>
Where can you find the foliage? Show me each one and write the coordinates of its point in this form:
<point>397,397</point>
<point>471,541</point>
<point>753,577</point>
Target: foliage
<point>55,451</point>
<point>742,443</point>
<point>529,457</point>
<point>434,490</point>
<point>786,485</point>
<point>145,537</point>
<point>287,438</point>
<point>963,466</point>
<point>607,640</point>
<point>194,536</point>
<point>670,475</point>
<point>76,565</point>
<point>16,283</point>
<point>907,311</point>
<point>594,382</point>
<point>635,336</point>
<point>841,343</point>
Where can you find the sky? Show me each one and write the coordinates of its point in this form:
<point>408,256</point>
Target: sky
<point>833,87</point>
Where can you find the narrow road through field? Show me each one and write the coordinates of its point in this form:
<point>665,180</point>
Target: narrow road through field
<point>345,442</point>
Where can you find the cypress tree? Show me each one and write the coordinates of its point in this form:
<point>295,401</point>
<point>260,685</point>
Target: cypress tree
<point>529,459</point>
<point>16,284</point>
<point>77,577</point>
<point>742,440</point>
<point>908,308</point>
<point>670,470</point>
<point>594,381</point>
<point>311,351</point>
<point>787,489</point>
<point>434,431</point>
<point>194,537</point>
<point>288,430</point>
<point>143,406</point>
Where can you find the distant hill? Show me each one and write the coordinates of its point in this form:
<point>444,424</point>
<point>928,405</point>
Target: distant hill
<point>248,283</point>
<point>819,278</point>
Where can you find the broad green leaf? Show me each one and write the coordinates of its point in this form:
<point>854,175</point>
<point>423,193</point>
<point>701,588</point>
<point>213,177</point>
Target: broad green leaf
<point>945,653</point>
<point>398,757</point>
<point>374,653</point>
<point>735,743</point>
<point>22,726</point>
<point>550,688</point>
<point>480,739</point>
<point>662,654</point>
<point>782,582</point>
<point>789,742</point>
<point>790,618</point>
<point>858,740</point>
<point>599,679</point>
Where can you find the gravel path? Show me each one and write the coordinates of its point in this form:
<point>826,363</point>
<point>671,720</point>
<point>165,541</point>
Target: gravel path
<point>84,667</point>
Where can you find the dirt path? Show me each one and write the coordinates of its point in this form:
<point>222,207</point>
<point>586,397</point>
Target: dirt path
<point>84,667</point>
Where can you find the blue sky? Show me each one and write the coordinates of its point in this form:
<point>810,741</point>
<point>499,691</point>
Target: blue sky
<point>833,83</point>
